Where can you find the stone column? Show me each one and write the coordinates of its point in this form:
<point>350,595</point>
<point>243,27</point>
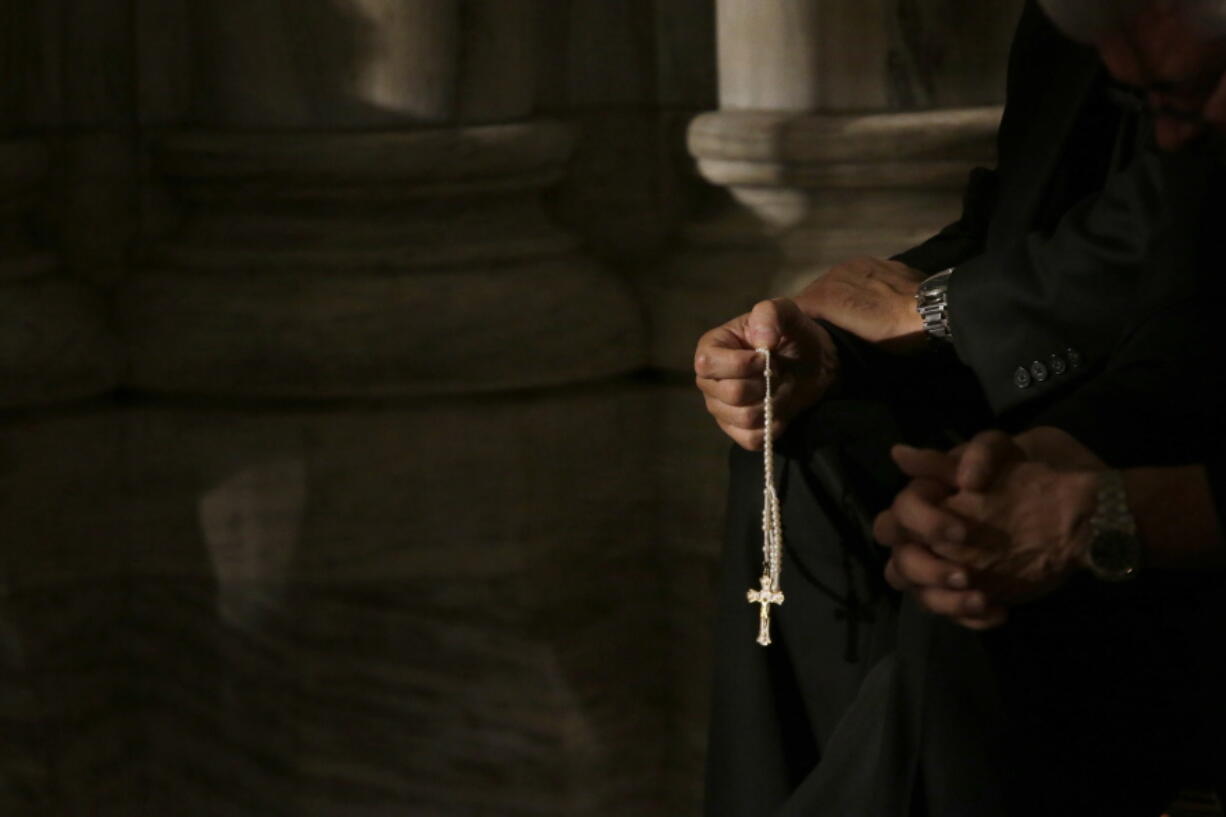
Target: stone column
<point>54,346</point>
<point>59,553</point>
<point>433,217</point>
<point>848,128</point>
<point>386,461</point>
<point>58,355</point>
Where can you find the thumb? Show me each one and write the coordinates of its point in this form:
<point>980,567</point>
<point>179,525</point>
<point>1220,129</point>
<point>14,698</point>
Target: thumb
<point>771,321</point>
<point>987,454</point>
<point>919,462</point>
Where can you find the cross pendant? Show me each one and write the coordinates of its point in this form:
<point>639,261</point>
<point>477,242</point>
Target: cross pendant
<point>764,598</point>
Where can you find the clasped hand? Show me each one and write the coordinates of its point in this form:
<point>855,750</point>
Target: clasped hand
<point>990,524</point>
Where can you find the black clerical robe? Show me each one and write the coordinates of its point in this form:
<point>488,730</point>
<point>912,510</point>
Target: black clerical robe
<point>1085,280</point>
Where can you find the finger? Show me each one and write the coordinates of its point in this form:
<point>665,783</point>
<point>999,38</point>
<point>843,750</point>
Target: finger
<point>722,390</point>
<point>752,391</point>
<point>750,440</point>
<point>993,617</point>
<point>953,604</point>
<point>925,462</point>
<point>739,391</point>
<point>770,322</point>
<point>718,363</point>
<point>974,557</point>
<point>919,511</point>
<point>744,417</point>
<point>984,458</point>
<point>751,415</point>
<point>724,352</point>
<point>894,578</point>
<point>888,530</point>
<point>706,385</point>
<point>920,567</point>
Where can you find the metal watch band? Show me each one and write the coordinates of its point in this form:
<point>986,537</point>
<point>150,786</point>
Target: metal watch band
<point>1115,551</point>
<point>931,302</point>
<point>1112,511</point>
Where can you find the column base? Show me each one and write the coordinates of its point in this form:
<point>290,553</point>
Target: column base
<point>368,264</point>
<point>834,186</point>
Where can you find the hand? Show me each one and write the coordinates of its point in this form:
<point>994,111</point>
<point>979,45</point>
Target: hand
<point>940,586</point>
<point>1046,444</point>
<point>871,298</point>
<point>728,369</point>
<point>1019,526</point>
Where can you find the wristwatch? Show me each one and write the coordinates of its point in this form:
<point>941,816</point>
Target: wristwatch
<point>932,304</point>
<point>1114,552</point>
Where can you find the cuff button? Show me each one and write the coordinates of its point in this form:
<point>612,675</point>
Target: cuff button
<point>1057,364</point>
<point>1074,358</point>
<point>1038,371</point>
<point>1021,378</point>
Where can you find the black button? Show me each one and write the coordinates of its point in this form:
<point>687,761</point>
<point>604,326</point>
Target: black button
<point>1057,364</point>
<point>1074,358</point>
<point>1021,378</point>
<point>1038,371</point>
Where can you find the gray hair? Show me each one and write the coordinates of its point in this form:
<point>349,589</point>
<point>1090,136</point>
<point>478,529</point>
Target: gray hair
<point>1086,20</point>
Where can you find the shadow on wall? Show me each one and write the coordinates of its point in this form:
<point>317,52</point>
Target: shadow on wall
<point>949,53</point>
<point>251,522</point>
<point>303,63</point>
<point>361,63</point>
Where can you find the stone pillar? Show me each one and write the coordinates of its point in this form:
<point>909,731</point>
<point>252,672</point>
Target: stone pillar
<point>358,64</point>
<point>386,461</point>
<point>59,553</point>
<point>288,188</point>
<point>833,186</point>
<point>58,355</point>
<point>55,346</point>
<point>848,128</point>
<point>415,261</point>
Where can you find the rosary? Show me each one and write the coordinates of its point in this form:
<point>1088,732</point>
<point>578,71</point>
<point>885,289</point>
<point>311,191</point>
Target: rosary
<point>772,529</point>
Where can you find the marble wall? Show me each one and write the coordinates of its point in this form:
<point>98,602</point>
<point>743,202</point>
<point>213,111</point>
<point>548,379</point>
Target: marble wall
<point>349,462</point>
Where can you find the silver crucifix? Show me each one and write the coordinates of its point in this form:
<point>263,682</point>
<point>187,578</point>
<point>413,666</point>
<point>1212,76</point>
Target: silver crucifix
<point>764,597</point>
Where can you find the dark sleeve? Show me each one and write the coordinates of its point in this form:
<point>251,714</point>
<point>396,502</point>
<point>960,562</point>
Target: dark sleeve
<point>933,394</point>
<point>964,238</point>
<point>1045,313</point>
<point>1159,400</point>
<point>865,371</point>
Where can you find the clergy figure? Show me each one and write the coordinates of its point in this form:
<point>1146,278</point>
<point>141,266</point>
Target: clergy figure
<point>1078,293</point>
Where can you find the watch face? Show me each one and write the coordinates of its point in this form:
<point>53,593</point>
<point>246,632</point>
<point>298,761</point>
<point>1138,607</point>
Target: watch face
<point>1115,555</point>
